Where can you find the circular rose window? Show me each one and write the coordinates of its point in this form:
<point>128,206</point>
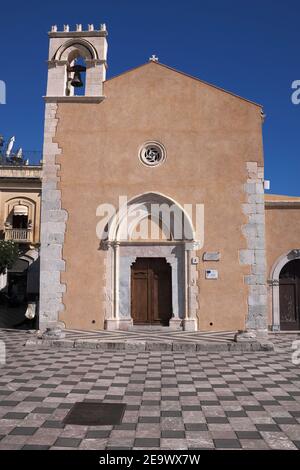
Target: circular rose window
<point>152,153</point>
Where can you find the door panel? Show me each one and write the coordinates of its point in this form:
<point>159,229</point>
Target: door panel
<point>151,291</point>
<point>289,294</point>
<point>140,294</point>
<point>288,304</point>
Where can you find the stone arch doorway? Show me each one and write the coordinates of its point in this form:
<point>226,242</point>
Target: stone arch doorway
<point>289,296</point>
<point>285,284</point>
<point>123,250</point>
<point>151,292</point>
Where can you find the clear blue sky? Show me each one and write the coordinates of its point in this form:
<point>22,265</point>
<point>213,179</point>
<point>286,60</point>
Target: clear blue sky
<point>248,47</point>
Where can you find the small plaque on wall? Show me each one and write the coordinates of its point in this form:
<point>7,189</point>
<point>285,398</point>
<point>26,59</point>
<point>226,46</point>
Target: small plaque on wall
<point>211,274</point>
<point>211,256</point>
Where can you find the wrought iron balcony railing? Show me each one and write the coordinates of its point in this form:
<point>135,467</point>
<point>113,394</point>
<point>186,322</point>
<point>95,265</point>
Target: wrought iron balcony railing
<point>20,235</point>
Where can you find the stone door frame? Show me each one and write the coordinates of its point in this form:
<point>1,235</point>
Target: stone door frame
<point>121,256</point>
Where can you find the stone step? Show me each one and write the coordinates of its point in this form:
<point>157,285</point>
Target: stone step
<point>136,345</point>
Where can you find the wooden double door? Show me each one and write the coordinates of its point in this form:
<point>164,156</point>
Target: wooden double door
<point>289,290</point>
<point>151,291</point>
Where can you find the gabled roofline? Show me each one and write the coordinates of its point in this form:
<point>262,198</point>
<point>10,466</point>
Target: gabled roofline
<point>186,75</point>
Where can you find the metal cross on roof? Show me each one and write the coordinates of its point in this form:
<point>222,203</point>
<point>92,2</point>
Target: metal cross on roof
<point>153,58</point>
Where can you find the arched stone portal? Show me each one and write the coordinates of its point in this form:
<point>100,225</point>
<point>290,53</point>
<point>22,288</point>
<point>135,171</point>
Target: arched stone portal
<point>275,284</point>
<point>178,250</point>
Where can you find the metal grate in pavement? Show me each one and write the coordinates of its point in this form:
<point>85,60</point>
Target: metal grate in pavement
<point>95,414</point>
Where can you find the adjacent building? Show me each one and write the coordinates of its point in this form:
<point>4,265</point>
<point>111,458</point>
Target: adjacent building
<point>20,202</point>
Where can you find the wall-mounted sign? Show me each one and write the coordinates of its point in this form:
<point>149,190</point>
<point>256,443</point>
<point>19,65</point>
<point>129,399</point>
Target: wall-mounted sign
<point>195,260</point>
<point>211,256</point>
<point>211,274</point>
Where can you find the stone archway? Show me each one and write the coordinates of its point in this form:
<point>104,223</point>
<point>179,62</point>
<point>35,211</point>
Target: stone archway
<point>274,282</point>
<point>122,252</point>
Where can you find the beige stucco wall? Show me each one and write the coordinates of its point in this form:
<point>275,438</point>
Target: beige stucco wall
<point>282,232</point>
<point>209,136</point>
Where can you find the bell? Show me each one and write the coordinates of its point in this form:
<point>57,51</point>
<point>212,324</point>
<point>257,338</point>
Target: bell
<point>76,80</point>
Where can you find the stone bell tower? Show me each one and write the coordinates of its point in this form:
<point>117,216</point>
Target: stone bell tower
<point>65,48</point>
<point>65,73</point>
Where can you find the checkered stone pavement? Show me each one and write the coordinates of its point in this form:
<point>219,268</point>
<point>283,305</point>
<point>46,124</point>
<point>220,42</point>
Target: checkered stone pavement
<point>158,334</point>
<point>175,400</point>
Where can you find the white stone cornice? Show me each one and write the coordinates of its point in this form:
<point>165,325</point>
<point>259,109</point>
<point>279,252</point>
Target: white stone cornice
<point>74,99</point>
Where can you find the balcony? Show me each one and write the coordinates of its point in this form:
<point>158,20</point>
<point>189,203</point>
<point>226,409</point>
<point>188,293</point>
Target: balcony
<point>19,235</point>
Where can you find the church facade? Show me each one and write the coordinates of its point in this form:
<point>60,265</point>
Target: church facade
<point>153,204</point>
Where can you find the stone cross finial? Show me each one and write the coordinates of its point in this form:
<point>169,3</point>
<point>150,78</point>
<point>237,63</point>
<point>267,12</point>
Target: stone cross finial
<point>54,28</point>
<point>66,28</point>
<point>153,58</point>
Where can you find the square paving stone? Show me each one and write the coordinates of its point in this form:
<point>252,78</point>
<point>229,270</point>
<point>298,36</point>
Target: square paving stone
<point>97,434</point>
<point>149,419</point>
<point>67,442</point>
<point>35,447</point>
<point>248,435</point>
<point>216,419</point>
<point>268,427</point>
<point>150,402</point>
<point>23,431</point>
<point>53,424</point>
<point>26,389</point>
<point>285,420</point>
<point>269,403</point>
<point>95,413</point>
<point>65,406</point>
<point>58,394</point>
<point>126,427</point>
<point>9,403</point>
<point>171,413</point>
<point>210,403</point>
<point>227,444</point>
<point>43,410</point>
<point>173,434</point>
<point>146,442</point>
<point>253,408</point>
<point>236,414</point>
<point>38,399</point>
<point>15,415</point>
<point>196,427</point>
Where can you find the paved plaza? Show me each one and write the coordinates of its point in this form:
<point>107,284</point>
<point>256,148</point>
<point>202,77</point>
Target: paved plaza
<point>174,400</point>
